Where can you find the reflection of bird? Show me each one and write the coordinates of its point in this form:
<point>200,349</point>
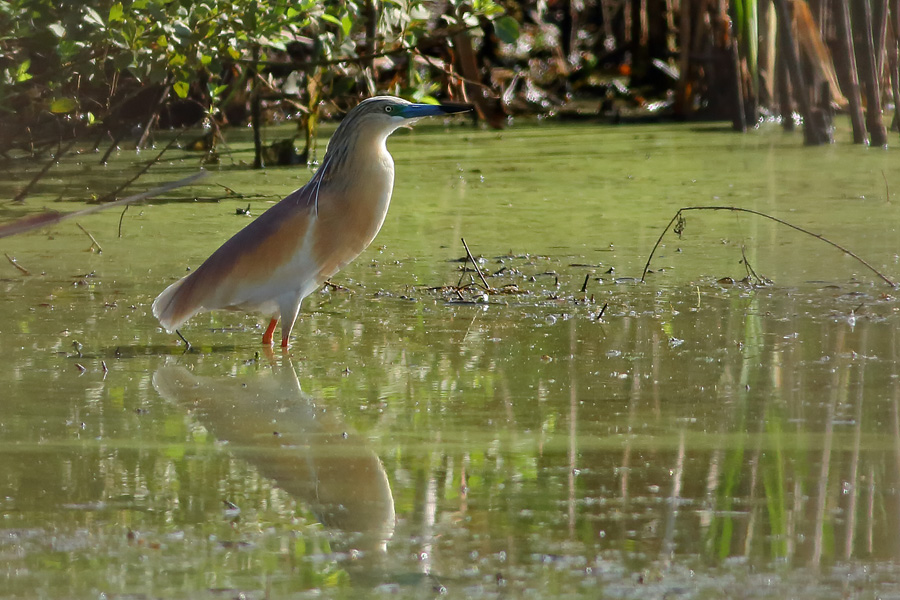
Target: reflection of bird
<point>304,447</point>
<point>285,254</point>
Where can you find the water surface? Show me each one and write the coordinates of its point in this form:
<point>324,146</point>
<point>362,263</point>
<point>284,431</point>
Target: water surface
<point>695,436</point>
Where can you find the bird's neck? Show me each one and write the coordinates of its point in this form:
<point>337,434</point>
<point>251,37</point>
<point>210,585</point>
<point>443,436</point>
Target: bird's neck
<point>359,159</point>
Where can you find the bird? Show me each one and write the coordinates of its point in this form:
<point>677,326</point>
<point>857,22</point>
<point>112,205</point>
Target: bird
<point>292,248</point>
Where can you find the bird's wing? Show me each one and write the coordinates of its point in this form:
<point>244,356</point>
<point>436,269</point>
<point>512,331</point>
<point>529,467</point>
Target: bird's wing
<point>246,270</point>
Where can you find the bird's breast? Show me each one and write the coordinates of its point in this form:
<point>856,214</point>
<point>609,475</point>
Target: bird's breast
<point>350,215</point>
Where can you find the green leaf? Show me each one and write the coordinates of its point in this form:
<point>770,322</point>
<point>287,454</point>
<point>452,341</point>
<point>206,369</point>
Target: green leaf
<point>181,88</point>
<point>116,12</point>
<point>61,106</point>
<point>346,24</point>
<point>92,16</point>
<point>57,29</point>
<point>162,42</point>
<point>22,73</point>
<point>507,29</point>
<point>331,19</point>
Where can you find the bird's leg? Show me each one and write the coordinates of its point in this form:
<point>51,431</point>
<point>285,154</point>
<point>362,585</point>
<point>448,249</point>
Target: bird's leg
<point>267,336</point>
<point>290,308</point>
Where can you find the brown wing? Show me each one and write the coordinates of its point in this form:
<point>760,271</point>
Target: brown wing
<point>234,274</point>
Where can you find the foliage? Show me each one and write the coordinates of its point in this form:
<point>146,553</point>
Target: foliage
<point>85,60</point>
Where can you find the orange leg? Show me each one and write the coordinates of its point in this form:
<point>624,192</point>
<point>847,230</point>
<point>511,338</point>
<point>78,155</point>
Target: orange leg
<point>284,342</point>
<point>267,336</point>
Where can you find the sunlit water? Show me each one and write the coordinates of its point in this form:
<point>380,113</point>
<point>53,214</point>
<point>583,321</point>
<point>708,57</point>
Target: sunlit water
<point>577,435</point>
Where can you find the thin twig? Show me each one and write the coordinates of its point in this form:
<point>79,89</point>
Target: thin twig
<point>308,64</point>
<point>93,240</point>
<point>451,73</point>
<point>475,264</point>
<point>584,285</point>
<point>122,218</point>
<point>113,145</point>
<point>887,189</point>
<point>14,263</point>
<point>184,339</point>
<point>154,116</point>
<point>678,215</point>
<point>749,267</point>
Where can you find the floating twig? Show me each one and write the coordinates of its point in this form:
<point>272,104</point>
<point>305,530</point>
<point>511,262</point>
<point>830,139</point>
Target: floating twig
<point>678,218</point>
<point>584,285</point>
<point>887,189</point>
<point>94,242</point>
<point>336,286</point>
<point>475,264</point>
<point>122,218</point>
<point>13,262</point>
<point>749,267</point>
<point>184,339</point>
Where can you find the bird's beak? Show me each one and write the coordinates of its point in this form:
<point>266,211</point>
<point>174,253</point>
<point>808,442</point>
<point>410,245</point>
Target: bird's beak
<point>415,111</point>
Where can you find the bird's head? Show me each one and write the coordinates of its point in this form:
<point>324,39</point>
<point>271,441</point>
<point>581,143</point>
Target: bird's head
<point>381,115</point>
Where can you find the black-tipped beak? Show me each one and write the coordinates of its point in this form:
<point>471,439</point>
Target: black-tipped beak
<point>455,107</point>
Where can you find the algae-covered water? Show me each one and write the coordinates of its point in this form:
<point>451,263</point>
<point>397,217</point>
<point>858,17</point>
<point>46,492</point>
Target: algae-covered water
<point>576,435</point>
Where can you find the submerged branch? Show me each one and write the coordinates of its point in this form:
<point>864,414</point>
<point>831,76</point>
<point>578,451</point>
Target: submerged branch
<point>678,218</point>
<point>475,264</point>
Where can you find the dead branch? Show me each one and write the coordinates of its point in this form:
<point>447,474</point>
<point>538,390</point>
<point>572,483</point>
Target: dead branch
<point>15,263</point>
<point>679,218</point>
<point>475,264</point>
<point>94,242</point>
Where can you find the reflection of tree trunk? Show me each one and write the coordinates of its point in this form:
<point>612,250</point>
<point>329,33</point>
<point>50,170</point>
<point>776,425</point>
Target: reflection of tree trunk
<point>667,550</point>
<point>573,426</point>
<point>853,478</point>
<point>754,482</point>
<point>838,387</point>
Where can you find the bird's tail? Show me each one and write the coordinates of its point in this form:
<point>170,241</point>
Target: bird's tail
<point>168,307</point>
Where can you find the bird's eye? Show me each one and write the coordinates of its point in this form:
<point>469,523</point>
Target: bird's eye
<point>388,109</point>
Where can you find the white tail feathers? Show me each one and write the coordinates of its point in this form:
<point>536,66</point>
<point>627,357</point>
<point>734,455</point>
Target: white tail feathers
<point>166,308</point>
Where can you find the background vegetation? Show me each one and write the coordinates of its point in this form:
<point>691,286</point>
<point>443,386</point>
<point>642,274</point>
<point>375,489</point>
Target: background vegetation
<point>119,69</point>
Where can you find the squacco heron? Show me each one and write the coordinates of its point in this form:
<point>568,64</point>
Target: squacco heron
<point>271,265</point>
